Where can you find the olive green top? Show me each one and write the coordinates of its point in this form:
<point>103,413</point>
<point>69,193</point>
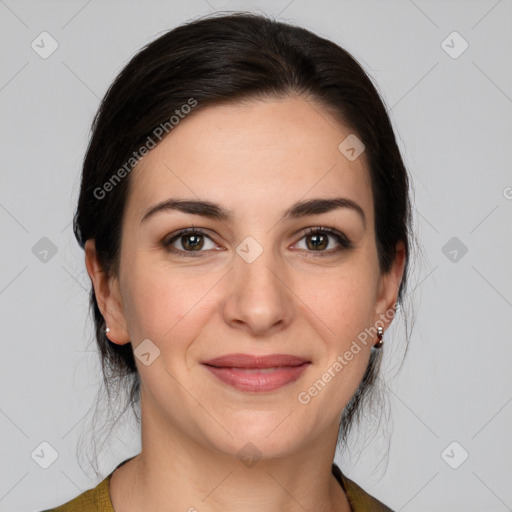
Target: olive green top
<point>98,499</point>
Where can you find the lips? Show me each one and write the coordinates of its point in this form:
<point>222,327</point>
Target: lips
<point>257,373</point>
<point>248,361</point>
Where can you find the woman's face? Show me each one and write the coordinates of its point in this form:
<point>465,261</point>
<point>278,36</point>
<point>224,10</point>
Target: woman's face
<point>253,282</point>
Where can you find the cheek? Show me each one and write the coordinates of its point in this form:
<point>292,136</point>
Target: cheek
<point>340,313</point>
<point>343,300</point>
<point>164,304</point>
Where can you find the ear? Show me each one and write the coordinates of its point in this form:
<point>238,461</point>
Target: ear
<point>108,296</point>
<point>389,284</point>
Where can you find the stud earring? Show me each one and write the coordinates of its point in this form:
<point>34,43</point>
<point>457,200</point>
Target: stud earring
<point>380,333</point>
<point>107,330</point>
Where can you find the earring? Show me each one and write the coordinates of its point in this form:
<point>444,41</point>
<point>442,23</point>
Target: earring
<point>379,343</point>
<point>107,330</point>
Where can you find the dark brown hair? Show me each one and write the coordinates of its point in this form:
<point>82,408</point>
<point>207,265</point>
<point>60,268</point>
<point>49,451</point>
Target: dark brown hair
<point>219,59</point>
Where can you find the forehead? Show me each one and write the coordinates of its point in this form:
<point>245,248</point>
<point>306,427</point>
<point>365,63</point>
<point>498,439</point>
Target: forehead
<point>253,155</point>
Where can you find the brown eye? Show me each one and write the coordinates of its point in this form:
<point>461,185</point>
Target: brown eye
<point>189,241</point>
<point>324,241</point>
<point>192,242</point>
<point>317,241</point>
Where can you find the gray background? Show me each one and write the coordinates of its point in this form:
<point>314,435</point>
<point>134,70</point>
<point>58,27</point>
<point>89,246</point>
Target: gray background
<point>453,120</point>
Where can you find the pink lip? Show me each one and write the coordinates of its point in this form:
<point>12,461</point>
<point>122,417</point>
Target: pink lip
<point>240,370</point>
<point>248,361</point>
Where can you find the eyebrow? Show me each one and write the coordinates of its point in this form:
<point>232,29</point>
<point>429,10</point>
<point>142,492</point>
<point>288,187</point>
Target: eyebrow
<point>215,211</point>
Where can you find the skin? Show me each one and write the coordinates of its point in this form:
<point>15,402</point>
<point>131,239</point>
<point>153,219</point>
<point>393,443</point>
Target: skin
<point>255,159</point>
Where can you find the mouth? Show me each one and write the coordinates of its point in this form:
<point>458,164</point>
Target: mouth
<point>257,373</point>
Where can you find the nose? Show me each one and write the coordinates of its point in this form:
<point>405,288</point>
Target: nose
<point>259,300</point>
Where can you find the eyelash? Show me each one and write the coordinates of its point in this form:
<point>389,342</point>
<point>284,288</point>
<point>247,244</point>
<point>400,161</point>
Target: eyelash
<point>344,242</point>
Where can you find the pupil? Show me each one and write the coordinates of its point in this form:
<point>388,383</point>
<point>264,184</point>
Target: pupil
<point>318,241</point>
<point>192,242</point>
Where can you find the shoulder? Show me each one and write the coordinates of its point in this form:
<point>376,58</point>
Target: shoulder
<point>93,500</point>
<point>359,499</point>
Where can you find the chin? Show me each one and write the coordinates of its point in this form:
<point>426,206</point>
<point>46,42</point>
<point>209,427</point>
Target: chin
<point>259,439</point>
